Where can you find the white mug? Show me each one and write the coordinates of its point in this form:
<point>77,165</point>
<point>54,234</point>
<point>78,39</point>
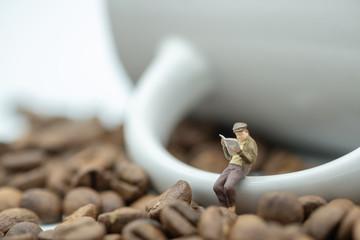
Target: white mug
<point>177,80</point>
<point>290,68</point>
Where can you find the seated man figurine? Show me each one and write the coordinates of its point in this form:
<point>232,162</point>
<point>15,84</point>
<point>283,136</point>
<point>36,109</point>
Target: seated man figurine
<point>243,157</point>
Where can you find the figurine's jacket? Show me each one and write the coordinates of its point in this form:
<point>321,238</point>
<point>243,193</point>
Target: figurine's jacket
<point>247,156</point>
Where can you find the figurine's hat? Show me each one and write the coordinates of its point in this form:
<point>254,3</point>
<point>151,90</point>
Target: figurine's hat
<point>239,127</point>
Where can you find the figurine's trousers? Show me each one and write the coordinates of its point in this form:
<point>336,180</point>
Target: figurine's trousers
<point>225,185</point>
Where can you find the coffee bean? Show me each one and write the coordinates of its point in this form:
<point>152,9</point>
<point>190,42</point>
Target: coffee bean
<point>356,230</point>
<point>46,235</point>
<point>25,236</point>
<point>10,217</point>
<point>143,201</point>
<point>88,210</point>
<point>248,226</point>
<point>79,197</point>
<point>23,160</point>
<point>129,180</point>
<point>347,224</point>
<point>215,223</point>
<point>143,229</point>
<point>281,161</point>
<point>58,179</point>
<point>194,237</point>
<point>112,236</point>
<point>281,206</point>
<point>34,178</point>
<point>111,201</point>
<point>209,157</point>
<point>23,228</point>
<point>310,203</point>
<point>85,228</point>
<point>92,177</point>
<point>179,218</point>
<point>46,204</point>
<point>323,221</point>
<point>181,191</point>
<point>9,198</point>
<point>116,220</point>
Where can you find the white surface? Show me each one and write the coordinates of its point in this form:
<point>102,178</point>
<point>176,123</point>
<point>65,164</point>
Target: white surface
<point>57,57</point>
<point>172,85</point>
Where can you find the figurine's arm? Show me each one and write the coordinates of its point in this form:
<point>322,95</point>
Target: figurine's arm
<point>226,153</point>
<point>250,153</point>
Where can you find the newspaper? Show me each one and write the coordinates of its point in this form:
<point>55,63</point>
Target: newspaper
<point>231,142</point>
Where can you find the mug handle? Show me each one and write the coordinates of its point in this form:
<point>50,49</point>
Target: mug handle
<point>177,79</point>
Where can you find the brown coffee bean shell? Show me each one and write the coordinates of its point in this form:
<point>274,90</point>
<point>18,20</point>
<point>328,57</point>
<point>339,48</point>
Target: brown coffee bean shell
<point>179,219</point>
<point>88,210</point>
<point>23,160</point>
<point>79,197</point>
<point>46,235</point>
<point>281,206</point>
<point>179,191</point>
<point>111,201</point>
<point>310,203</point>
<point>34,178</point>
<point>46,204</point>
<point>215,223</point>
<point>85,228</point>
<point>143,229</point>
<point>10,217</point>
<point>9,198</point>
<point>323,222</point>
<point>356,230</point>
<point>144,201</point>
<point>24,228</point>
<point>347,224</point>
<point>116,220</point>
<point>112,236</point>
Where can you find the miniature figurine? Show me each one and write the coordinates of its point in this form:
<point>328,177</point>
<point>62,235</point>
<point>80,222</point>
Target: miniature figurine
<point>242,153</point>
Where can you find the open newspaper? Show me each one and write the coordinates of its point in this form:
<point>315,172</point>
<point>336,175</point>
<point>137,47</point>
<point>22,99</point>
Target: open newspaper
<point>231,142</point>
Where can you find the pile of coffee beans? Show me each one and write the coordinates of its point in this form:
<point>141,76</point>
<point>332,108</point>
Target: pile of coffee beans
<point>76,174</point>
<point>197,143</point>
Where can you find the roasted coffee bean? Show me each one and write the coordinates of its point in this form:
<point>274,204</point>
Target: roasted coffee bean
<point>323,221</point>
<point>85,228</point>
<point>129,180</point>
<point>143,229</point>
<point>209,157</point>
<point>23,228</point>
<point>46,235</point>
<point>194,237</point>
<point>144,201</point>
<point>181,191</point>
<point>89,210</point>
<point>347,224</point>
<point>58,178</point>
<point>92,177</point>
<point>9,198</point>
<point>34,178</point>
<point>248,226</point>
<point>310,203</point>
<point>112,236</point>
<point>79,197</point>
<point>25,236</point>
<point>10,217</point>
<point>65,134</point>
<point>281,206</point>
<point>116,220</point>
<point>46,204</point>
<point>281,161</point>
<point>356,230</point>
<point>179,218</point>
<point>23,160</point>
<point>111,201</point>
<point>215,223</point>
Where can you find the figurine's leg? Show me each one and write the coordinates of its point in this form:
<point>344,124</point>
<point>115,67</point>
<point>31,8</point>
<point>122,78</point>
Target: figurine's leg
<point>219,187</point>
<point>236,174</point>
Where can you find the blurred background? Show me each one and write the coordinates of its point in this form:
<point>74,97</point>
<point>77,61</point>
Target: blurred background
<point>295,60</point>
